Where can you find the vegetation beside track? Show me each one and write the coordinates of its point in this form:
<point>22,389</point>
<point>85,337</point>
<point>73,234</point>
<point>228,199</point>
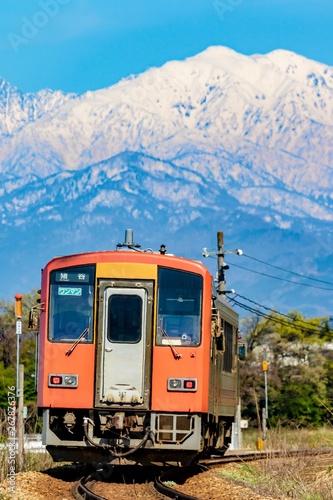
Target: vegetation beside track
<point>303,477</point>
<point>300,396</point>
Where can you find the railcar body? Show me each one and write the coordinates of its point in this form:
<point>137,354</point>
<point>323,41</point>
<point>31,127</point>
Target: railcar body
<point>137,360</point>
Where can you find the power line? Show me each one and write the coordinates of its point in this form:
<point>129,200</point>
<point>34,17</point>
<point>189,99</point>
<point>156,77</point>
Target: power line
<point>280,321</point>
<point>281,279</point>
<point>259,313</point>
<point>264,307</point>
<point>287,271</point>
<point>291,319</point>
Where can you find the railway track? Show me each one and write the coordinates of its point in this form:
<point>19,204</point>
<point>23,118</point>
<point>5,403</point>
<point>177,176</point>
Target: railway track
<point>82,489</point>
<point>260,455</point>
<point>175,473</point>
<point>163,484</point>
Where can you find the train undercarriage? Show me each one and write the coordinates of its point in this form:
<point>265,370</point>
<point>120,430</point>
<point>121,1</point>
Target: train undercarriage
<point>132,437</point>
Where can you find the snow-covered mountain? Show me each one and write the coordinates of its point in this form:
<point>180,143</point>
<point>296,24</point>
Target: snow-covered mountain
<point>220,141</point>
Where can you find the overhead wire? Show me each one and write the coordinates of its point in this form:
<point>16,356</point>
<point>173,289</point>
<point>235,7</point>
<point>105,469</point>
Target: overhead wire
<point>263,307</point>
<point>287,271</point>
<point>284,270</point>
<point>281,279</point>
<point>293,322</point>
<point>259,313</point>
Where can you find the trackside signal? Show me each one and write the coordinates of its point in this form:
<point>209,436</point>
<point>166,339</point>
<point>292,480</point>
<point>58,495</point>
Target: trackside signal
<point>18,305</point>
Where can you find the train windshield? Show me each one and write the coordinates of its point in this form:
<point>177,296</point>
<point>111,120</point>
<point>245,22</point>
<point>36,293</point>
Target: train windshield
<point>179,307</point>
<point>71,303</point>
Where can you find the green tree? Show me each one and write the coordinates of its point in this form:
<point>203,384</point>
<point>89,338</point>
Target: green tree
<point>299,377</point>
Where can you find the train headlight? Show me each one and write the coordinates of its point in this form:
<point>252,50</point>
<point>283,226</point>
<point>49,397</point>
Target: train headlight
<point>182,384</point>
<point>68,380</point>
<point>174,384</point>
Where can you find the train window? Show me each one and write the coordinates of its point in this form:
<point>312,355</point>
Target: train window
<point>229,347</point>
<point>179,307</point>
<point>124,318</point>
<point>71,303</point>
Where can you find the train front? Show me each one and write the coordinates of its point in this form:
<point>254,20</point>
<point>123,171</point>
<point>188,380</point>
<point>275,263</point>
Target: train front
<point>124,354</point>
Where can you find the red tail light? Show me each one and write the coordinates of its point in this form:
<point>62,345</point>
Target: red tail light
<point>55,380</point>
<point>182,384</point>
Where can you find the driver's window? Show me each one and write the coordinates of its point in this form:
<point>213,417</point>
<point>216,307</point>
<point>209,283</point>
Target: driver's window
<point>71,304</point>
<point>179,307</point>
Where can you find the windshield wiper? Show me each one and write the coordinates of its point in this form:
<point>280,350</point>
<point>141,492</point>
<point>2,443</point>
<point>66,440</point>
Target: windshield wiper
<point>78,340</point>
<point>171,344</point>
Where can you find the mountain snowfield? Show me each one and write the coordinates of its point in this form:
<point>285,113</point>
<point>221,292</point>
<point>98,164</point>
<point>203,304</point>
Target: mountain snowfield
<point>220,141</point>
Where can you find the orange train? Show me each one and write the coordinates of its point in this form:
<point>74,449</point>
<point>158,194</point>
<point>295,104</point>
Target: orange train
<point>137,358</point>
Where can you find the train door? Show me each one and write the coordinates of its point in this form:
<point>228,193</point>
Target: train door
<point>125,336</point>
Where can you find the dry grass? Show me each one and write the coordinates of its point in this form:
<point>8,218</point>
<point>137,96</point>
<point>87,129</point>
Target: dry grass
<point>32,462</point>
<point>303,477</point>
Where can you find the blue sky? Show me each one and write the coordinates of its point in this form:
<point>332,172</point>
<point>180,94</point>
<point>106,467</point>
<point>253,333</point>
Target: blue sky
<point>79,45</point>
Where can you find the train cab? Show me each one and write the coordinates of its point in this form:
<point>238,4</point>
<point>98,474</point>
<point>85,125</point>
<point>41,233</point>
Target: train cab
<point>131,369</point>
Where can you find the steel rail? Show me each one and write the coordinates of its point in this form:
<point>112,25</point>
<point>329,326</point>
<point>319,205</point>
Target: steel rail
<point>260,455</point>
<point>173,473</point>
<point>80,491</point>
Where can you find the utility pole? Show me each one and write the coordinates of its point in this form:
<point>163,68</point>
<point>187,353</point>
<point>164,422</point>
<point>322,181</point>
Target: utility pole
<point>265,410</point>
<point>20,424</point>
<point>18,314</point>
<point>220,262</point>
<point>221,265</point>
<point>19,382</point>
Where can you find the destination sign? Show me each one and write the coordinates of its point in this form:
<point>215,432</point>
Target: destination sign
<point>77,292</point>
<point>71,277</point>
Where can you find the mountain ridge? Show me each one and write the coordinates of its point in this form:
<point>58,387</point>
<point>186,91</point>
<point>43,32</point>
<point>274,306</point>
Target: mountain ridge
<point>175,151</point>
